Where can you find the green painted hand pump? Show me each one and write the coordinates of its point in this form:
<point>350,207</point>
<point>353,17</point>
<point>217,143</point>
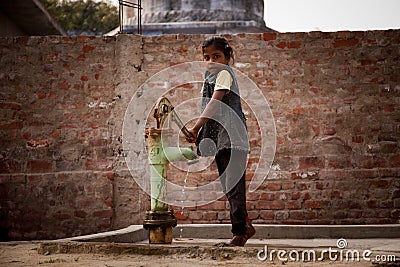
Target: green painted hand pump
<point>160,220</point>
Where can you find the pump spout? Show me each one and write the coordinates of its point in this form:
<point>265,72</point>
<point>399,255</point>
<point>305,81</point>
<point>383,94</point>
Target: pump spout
<point>179,154</point>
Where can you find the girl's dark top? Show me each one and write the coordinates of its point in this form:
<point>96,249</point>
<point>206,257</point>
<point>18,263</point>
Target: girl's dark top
<point>227,128</point>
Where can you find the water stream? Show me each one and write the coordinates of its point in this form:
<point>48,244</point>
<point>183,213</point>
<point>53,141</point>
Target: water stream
<point>184,198</point>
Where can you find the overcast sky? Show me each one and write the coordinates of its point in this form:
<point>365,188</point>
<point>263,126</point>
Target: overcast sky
<point>330,15</point>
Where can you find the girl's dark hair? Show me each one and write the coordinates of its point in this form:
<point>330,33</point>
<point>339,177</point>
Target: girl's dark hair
<point>221,44</point>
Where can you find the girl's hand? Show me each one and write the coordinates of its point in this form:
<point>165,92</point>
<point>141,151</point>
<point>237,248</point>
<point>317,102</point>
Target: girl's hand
<point>194,133</point>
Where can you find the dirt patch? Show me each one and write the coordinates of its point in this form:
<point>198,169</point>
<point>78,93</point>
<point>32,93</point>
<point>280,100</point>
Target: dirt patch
<point>24,254</point>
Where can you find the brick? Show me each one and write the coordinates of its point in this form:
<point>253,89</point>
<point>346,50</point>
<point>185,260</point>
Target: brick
<point>396,194</point>
<point>306,196</point>
<point>180,215</point>
<point>217,205</point>
<point>295,175</point>
<point>212,215</point>
<point>394,161</point>
<point>39,166</point>
<point>18,178</point>
<point>267,196</point>
<point>345,43</point>
<point>41,95</point>
<point>253,214</point>
<point>294,205</point>
<point>340,214</point>
<point>4,191</point>
<point>372,203</point>
<point>388,147</point>
<point>11,125</point>
<point>81,57</point>
<point>38,143</point>
<point>283,45</point>
<point>311,162</point>
<point>10,166</point>
<point>395,214</point>
<point>251,196</point>
<point>195,215</point>
<point>103,213</point>
<point>4,178</point>
<point>110,176</point>
<point>287,185</point>
<point>270,205</point>
<point>370,162</point>
<point>108,203</point>
<point>301,215</point>
<point>295,195</point>
<point>55,133</point>
<point>9,105</point>
<point>339,163</point>
<point>316,204</point>
<point>267,215</point>
<point>25,135</point>
<point>364,174</point>
<point>274,186</point>
<point>319,185</point>
<point>386,204</point>
<point>103,224</point>
<point>52,57</point>
<point>101,164</point>
<point>61,216</point>
<point>267,36</point>
<point>64,85</point>
<point>87,48</point>
<point>379,183</point>
<point>299,110</point>
<point>80,214</point>
<point>329,131</point>
<point>357,139</point>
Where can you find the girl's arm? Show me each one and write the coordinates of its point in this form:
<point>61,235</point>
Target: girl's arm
<point>208,112</point>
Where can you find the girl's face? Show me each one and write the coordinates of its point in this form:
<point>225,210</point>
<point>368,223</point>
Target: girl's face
<point>213,56</point>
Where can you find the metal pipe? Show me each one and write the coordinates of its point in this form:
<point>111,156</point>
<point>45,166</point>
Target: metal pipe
<point>140,17</point>
<point>160,220</point>
<point>138,5</point>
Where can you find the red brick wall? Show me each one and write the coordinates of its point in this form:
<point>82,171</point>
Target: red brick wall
<point>56,159</point>
<point>334,96</point>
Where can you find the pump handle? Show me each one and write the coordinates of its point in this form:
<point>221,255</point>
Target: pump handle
<point>161,111</point>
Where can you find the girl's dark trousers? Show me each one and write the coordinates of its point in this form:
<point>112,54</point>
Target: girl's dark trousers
<point>233,180</point>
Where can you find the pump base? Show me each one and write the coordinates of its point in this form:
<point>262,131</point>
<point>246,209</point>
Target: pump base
<point>159,224</point>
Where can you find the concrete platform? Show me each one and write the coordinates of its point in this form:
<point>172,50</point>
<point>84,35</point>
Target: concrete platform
<point>136,233</point>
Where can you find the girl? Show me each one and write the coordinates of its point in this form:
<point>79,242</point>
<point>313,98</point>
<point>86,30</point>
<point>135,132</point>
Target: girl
<point>221,131</point>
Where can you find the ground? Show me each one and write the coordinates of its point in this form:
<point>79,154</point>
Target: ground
<point>13,254</point>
